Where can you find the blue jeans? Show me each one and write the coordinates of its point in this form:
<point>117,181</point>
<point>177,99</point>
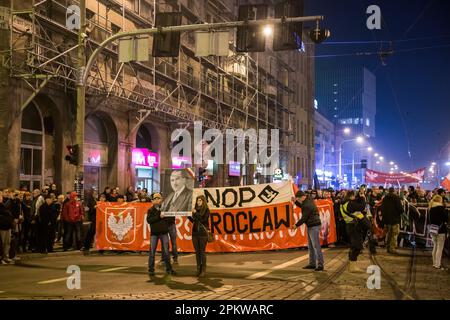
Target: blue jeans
<point>164,248</point>
<point>173,240</point>
<point>315,251</point>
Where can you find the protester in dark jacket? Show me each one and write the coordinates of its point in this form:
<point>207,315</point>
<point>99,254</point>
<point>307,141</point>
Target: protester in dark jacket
<point>351,210</point>
<point>46,225</point>
<point>391,210</point>
<point>159,231</point>
<point>26,211</point>
<point>200,220</point>
<point>438,220</point>
<point>6,223</point>
<point>310,217</point>
<point>91,203</point>
<point>130,195</point>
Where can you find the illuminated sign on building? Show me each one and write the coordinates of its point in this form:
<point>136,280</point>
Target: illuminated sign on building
<point>234,169</point>
<point>95,154</point>
<point>144,158</point>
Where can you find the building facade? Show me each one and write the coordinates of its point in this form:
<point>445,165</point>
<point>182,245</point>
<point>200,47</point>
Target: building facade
<point>133,108</point>
<point>347,96</point>
<point>326,162</point>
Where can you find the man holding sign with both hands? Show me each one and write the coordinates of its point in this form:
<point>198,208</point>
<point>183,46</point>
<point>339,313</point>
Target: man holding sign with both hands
<point>159,232</point>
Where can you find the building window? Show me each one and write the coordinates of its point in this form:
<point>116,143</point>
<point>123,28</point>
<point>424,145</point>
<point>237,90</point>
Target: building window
<point>89,14</point>
<point>190,76</point>
<point>114,28</point>
<point>31,156</point>
<point>368,122</point>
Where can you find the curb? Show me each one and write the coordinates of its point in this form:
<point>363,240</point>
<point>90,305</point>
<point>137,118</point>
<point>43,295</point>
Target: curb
<point>29,256</point>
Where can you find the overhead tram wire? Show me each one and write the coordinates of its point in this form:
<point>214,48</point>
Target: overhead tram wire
<point>380,52</point>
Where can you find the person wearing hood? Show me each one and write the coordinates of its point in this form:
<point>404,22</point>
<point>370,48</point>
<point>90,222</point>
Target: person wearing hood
<point>72,215</point>
<point>438,229</point>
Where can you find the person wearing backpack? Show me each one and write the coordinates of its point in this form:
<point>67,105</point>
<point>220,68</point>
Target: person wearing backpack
<point>6,224</point>
<point>438,229</point>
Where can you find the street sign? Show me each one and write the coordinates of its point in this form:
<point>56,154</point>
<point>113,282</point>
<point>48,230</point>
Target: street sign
<point>133,49</point>
<point>212,43</point>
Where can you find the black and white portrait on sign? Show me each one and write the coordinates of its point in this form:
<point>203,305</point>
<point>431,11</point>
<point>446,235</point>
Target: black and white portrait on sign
<point>177,188</point>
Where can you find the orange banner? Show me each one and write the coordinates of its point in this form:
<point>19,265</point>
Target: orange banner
<point>124,227</point>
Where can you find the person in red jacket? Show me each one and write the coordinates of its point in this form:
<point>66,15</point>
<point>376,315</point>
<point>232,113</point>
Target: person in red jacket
<point>72,215</point>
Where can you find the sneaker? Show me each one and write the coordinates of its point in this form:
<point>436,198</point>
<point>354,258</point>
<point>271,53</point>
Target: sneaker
<point>172,272</point>
<point>309,267</point>
<point>151,273</point>
<point>319,268</point>
<point>3,262</point>
<point>7,260</point>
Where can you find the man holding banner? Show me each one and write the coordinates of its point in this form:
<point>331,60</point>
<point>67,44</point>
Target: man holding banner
<point>311,217</point>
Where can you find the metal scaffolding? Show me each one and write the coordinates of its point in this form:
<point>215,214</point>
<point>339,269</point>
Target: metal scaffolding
<point>222,92</point>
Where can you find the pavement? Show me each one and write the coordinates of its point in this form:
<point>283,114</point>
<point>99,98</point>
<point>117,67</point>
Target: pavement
<point>270,275</point>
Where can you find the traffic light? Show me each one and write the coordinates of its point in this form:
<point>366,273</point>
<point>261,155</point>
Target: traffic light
<point>318,35</point>
<point>166,44</point>
<point>72,157</point>
<point>363,164</point>
<point>251,38</point>
<point>288,35</point>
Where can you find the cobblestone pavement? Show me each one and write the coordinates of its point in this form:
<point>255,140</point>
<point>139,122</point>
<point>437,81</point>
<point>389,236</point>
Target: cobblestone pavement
<point>244,276</point>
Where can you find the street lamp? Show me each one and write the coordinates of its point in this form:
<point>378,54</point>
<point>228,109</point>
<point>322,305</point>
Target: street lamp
<point>376,155</point>
<point>358,139</point>
<point>347,130</point>
<point>268,31</point>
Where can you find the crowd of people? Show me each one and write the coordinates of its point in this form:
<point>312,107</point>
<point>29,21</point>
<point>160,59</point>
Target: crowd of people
<point>35,222</point>
<point>356,210</point>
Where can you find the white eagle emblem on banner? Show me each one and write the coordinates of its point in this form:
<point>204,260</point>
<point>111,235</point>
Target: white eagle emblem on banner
<point>120,227</point>
<point>371,175</point>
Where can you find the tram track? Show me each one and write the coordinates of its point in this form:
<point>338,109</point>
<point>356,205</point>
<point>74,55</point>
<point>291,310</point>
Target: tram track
<point>407,291</point>
<point>328,280</point>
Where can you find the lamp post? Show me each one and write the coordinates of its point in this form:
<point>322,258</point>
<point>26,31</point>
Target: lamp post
<point>358,139</point>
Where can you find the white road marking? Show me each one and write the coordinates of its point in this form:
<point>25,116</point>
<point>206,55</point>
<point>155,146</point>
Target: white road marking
<point>52,280</point>
<point>280,266</point>
<point>113,269</point>
<point>2,291</point>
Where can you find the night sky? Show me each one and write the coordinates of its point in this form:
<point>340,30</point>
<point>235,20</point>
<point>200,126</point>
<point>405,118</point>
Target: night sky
<point>413,88</point>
